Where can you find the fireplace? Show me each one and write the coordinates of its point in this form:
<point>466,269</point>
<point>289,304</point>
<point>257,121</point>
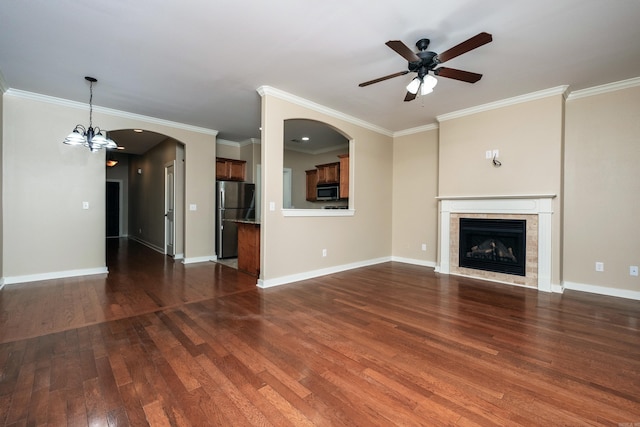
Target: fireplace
<point>497,245</point>
<point>537,212</point>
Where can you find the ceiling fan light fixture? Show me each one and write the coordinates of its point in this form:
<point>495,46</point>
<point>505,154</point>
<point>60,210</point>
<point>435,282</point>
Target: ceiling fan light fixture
<point>414,85</point>
<point>429,81</point>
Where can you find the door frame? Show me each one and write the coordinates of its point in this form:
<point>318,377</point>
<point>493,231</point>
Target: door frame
<point>170,225</point>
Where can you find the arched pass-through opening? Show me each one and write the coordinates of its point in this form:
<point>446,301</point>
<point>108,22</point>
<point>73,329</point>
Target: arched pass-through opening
<point>141,165</point>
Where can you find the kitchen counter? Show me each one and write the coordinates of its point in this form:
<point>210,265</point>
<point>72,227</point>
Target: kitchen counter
<point>249,246</point>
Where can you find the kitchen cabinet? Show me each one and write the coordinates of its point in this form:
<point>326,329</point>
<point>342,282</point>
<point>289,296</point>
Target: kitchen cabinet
<point>230,169</point>
<point>344,176</point>
<point>249,248</point>
<point>312,182</point>
<point>328,173</point>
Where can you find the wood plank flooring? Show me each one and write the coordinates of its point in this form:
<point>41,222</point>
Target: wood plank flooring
<point>159,343</point>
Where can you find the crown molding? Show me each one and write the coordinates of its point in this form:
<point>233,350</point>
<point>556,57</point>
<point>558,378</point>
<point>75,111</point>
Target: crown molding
<point>559,90</point>
<point>606,88</point>
<point>117,113</point>
<point>277,93</point>
<point>419,129</point>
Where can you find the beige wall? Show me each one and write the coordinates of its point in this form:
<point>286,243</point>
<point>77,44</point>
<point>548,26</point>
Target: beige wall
<point>602,187</point>
<point>46,181</point>
<point>529,137</point>
<point>293,245</point>
<point>415,187</point>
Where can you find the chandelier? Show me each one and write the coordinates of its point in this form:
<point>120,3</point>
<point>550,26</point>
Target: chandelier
<point>90,137</point>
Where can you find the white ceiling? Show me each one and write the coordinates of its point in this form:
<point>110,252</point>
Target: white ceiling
<point>200,62</point>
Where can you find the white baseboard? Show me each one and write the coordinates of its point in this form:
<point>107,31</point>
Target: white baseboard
<point>198,259</point>
<point>601,290</point>
<point>53,275</point>
<point>269,283</point>
<point>147,244</point>
<point>413,261</point>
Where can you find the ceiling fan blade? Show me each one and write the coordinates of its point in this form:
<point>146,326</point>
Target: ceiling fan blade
<point>465,46</point>
<point>452,73</point>
<point>403,50</point>
<point>409,96</point>
<point>380,79</point>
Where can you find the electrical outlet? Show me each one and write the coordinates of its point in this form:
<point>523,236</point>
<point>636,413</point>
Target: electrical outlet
<point>324,252</point>
<point>488,155</point>
<point>496,154</point>
<point>599,266</point>
<point>633,270</point>
<point>424,246</point>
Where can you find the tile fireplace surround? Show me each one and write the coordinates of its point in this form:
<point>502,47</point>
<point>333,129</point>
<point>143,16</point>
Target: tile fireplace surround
<point>536,209</point>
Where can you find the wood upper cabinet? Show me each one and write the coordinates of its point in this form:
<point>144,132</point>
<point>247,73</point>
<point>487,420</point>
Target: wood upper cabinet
<point>344,176</point>
<point>230,169</point>
<point>312,182</point>
<point>328,173</point>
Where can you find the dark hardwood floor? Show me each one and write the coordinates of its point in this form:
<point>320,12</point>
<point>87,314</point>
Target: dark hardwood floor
<point>160,343</point>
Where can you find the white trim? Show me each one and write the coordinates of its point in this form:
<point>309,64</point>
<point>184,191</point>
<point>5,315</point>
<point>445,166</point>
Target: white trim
<point>117,113</point>
<point>268,90</point>
<point>411,131</point>
<point>540,205</point>
<point>199,259</point>
<point>499,196</point>
<point>227,142</point>
<point>317,212</point>
<point>3,89</point>
<point>414,261</point>
<point>317,273</point>
<point>178,256</point>
<point>601,290</point>
<point>606,88</point>
<point>147,244</point>
<point>559,90</point>
<point>54,275</point>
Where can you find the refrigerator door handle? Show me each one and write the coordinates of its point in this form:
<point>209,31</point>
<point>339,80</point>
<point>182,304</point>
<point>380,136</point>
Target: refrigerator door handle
<point>221,198</point>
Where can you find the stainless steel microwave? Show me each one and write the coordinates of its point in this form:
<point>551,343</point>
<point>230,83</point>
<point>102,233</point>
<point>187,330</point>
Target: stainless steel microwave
<point>327,192</point>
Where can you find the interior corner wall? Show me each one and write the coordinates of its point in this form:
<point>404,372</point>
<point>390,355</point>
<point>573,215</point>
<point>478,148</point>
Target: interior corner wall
<point>529,137</point>
<point>602,188</point>
<point>415,187</point>
<point>293,245</point>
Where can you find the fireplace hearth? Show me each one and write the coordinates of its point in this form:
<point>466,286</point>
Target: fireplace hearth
<point>497,245</point>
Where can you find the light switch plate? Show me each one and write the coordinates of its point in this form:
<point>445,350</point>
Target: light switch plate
<point>193,207</point>
<point>85,205</point>
<point>633,270</point>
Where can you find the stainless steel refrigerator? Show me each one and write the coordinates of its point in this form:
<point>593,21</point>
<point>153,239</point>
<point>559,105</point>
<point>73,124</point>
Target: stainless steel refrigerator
<point>234,201</point>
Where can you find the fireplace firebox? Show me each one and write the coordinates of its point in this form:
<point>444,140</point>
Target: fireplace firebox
<point>496,245</point>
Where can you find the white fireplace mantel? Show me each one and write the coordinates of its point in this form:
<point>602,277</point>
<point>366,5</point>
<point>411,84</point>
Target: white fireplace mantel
<point>534,204</point>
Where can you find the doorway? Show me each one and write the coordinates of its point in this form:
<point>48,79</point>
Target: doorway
<point>113,208</point>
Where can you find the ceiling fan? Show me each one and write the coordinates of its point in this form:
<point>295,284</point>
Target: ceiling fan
<point>424,61</point>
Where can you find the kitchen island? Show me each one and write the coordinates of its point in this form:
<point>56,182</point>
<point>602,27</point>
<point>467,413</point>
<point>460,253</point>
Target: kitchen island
<point>248,246</point>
